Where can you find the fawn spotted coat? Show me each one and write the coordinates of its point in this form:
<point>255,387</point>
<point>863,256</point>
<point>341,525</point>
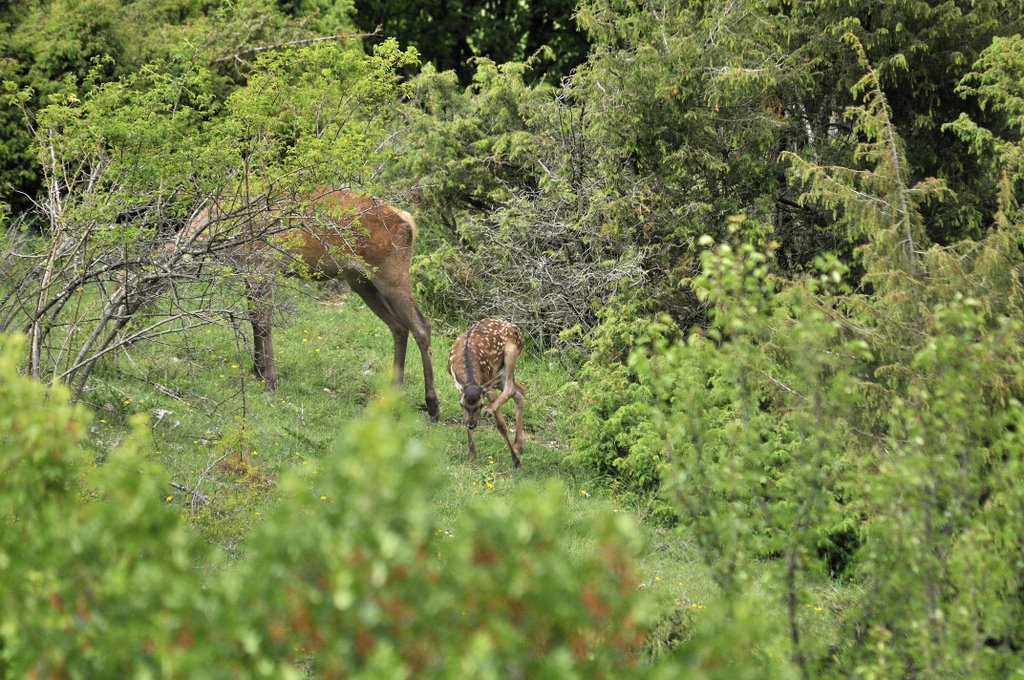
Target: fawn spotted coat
<point>482,361</point>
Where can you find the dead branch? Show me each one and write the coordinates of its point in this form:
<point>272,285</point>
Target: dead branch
<point>197,496</point>
<point>239,57</point>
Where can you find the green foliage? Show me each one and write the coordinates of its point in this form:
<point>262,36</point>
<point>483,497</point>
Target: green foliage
<point>836,437</point>
<point>97,572</point>
<point>997,87</point>
<point>474,145</point>
<point>939,557</point>
<point>921,50</point>
<point>877,202</point>
<point>730,426</point>
<point>847,435</point>
<point>499,171</point>
<point>129,163</point>
<point>764,457</point>
<point>42,434</point>
<point>327,17</point>
<point>491,596</point>
<point>236,484</point>
<point>615,435</point>
<point>309,117</point>
<point>664,82</point>
<point>453,33</point>
<point>350,573</point>
<point>734,639</point>
<point>60,48</point>
<point>676,121</point>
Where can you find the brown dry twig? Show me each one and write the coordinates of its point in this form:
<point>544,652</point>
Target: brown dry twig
<point>239,57</point>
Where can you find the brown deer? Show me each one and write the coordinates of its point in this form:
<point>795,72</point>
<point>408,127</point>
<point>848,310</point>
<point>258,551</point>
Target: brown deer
<point>482,360</point>
<point>340,235</point>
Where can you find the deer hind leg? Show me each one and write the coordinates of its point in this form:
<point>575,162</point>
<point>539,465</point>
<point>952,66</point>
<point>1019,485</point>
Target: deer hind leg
<point>499,420</point>
<point>260,295</point>
<point>409,315</point>
<point>510,386</point>
<point>399,333</point>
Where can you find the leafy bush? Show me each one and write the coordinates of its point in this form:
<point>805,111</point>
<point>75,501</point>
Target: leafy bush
<point>614,434</point>
<point>872,436</point>
<point>499,171</point>
<point>943,555</point>
<point>56,47</point>
<point>97,571</point>
<point>373,584</point>
<point>129,163</point>
<point>350,574</point>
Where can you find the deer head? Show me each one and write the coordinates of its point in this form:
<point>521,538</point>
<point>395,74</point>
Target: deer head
<point>471,400</point>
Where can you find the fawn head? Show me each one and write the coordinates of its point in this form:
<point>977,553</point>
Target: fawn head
<point>472,401</point>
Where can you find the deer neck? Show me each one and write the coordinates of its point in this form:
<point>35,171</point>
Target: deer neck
<point>467,358</point>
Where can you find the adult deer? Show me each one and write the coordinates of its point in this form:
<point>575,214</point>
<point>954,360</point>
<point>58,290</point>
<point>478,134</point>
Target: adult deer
<point>337,235</point>
<point>483,359</point>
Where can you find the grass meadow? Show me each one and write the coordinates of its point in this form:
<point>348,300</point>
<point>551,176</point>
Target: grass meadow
<point>222,443</point>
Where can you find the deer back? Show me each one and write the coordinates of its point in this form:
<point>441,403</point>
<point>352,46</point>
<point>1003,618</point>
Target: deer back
<point>377,234</point>
<point>342,231</point>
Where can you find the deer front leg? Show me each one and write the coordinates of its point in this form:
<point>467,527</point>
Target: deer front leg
<point>420,329</point>
<point>499,420</point>
<point>260,295</point>
<point>520,398</point>
<point>401,337</point>
<point>472,444</point>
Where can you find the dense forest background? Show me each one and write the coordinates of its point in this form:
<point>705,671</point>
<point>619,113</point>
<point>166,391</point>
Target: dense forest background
<point>776,247</point>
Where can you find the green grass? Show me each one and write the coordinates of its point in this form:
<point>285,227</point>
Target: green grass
<point>334,356</point>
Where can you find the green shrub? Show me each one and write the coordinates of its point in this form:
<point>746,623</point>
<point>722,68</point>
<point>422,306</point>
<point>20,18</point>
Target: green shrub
<point>943,555</point>
<point>352,574</point>
<point>614,433</point>
<point>97,573</point>
<point>810,430</point>
<point>349,574</point>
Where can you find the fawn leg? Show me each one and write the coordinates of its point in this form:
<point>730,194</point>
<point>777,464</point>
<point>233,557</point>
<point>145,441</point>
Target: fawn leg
<point>499,420</point>
<point>520,398</point>
<point>472,444</point>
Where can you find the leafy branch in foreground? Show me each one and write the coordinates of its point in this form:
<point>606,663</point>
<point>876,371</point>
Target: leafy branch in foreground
<point>350,573</point>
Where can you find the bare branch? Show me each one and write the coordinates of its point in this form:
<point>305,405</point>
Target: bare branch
<point>239,57</point>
